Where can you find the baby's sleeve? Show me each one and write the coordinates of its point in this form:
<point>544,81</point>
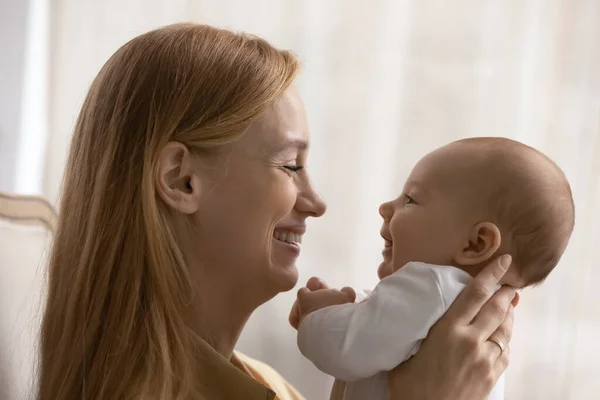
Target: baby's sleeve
<point>356,341</point>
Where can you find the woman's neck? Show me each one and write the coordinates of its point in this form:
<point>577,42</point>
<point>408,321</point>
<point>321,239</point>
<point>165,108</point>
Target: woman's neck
<point>221,313</point>
<point>220,329</point>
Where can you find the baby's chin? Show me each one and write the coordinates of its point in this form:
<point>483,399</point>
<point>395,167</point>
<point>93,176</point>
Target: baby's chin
<point>385,269</point>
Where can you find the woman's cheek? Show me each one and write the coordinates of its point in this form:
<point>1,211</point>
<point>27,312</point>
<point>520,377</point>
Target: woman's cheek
<point>288,194</point>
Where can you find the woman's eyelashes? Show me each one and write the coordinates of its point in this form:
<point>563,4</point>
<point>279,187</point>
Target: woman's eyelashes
<point>294,168</point>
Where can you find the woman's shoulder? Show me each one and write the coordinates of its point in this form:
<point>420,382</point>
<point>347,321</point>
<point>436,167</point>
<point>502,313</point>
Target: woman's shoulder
<point>266,375</point>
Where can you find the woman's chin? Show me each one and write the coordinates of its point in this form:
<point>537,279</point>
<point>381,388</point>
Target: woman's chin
<point>284,277</point>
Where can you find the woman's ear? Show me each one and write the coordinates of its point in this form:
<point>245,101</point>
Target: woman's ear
<point>482,243</point>
<point>177,182</point>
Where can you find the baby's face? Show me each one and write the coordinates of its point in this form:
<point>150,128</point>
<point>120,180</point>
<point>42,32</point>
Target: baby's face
<point>426,222</point>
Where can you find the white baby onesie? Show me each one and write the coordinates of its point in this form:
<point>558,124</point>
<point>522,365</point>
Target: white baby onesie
<point>358,342</point>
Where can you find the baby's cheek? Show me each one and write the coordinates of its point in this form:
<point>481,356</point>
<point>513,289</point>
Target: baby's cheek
<point>413,248</point>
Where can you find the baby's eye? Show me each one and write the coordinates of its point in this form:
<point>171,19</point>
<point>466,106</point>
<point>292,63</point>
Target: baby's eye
<point>408,200</point>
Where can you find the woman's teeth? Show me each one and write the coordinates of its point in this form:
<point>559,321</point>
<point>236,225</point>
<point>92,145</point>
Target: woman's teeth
<point>288,237</point>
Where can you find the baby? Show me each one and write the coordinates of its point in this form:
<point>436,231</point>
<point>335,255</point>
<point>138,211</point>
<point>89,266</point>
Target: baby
<point>462,205</point>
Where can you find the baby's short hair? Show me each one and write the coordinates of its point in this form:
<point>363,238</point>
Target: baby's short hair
<point>528,197</point>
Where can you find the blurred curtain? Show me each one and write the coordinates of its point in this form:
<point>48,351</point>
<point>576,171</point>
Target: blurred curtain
<point>386,81</point>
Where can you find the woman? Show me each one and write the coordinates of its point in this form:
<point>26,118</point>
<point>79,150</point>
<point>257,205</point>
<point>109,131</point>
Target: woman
<point>184,199</point>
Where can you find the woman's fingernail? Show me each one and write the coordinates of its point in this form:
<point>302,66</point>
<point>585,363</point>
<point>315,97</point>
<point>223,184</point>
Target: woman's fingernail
<point>505,261</point>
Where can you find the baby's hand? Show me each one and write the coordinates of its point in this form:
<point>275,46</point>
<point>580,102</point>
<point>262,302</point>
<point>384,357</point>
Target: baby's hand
<point>317,295</point>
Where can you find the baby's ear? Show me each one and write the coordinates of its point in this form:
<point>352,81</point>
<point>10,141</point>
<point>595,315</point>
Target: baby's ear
<point>482,243</point>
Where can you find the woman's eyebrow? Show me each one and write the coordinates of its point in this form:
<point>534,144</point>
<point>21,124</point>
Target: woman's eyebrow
<point>295,143</point>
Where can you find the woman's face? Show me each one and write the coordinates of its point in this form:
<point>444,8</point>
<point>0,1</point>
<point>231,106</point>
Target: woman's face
<point>252,219</point>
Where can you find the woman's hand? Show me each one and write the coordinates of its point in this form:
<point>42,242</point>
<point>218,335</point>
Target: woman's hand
<point>457,360</point>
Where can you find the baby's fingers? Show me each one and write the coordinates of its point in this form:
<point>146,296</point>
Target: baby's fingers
<point>315,283</point>
<point>294,317</point>
<point>350,293</point>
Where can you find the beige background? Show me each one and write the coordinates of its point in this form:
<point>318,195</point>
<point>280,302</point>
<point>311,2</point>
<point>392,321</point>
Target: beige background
<point>385,82</point>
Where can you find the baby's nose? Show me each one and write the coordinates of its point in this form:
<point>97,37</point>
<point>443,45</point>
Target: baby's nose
<point>386,210</point>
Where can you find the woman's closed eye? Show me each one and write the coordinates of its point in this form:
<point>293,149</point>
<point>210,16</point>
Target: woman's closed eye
<point>294,168</point>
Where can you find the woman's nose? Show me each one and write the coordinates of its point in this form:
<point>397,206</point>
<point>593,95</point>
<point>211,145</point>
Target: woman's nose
<point>309,202</point>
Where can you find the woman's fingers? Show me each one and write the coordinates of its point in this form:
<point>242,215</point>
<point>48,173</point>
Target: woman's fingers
<point>502,362</point>
<point>493,314</point>
<point>500,339</point>
<point>478,292</point>
<point>516,299</point>
<point>500,359</point>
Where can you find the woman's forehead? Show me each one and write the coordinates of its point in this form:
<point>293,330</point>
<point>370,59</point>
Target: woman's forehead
<point>282,127</point>
<point>287,114</point>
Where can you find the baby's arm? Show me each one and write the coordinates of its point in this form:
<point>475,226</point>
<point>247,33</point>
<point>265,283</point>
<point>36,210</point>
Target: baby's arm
<point>357,340</point>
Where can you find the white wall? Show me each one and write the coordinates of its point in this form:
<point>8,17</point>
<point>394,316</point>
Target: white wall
<point>13,32</point>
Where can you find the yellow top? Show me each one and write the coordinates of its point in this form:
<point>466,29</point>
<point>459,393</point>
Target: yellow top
<point>242,378</point>
<point>266,376</point>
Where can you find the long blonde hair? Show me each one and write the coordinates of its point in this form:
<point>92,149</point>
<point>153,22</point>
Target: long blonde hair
<point>116,323</point>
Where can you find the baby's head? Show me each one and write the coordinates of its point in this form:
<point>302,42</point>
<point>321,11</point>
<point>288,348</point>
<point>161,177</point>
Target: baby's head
<point>474,199</point>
